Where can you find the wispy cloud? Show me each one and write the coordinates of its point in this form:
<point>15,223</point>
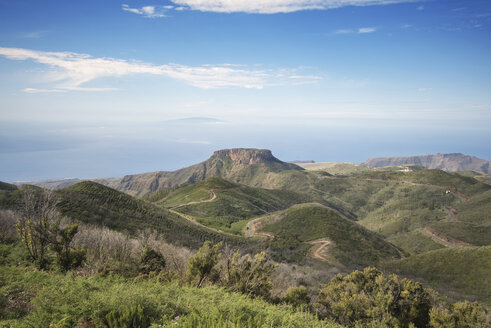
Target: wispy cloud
<point>70,71</point>
<point>275,6</point>
<point>361,30</point>
<point>365,30</point>
<point>34,34</point>
<point>148,11</point>
<point>33,90</point>
<point>421,8</point>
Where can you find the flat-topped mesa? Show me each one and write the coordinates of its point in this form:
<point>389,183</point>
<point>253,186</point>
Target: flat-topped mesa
<point>246,155</point>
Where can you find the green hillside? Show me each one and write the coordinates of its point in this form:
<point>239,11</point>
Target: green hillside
<point>93,203</point>
<point>350,244</point>
<point>335,168</point>
<point>400,204</point>
<point>225,205</point>
<point>461,272</point>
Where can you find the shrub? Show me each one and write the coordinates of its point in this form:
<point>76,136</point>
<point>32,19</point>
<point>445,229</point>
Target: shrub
<point>297,296</point>
<point>364,297</point>
<point>151,261</point>
<point>250,276</point>
<point>203,264</point>
<point>459,315</point>
<point>128,317</point>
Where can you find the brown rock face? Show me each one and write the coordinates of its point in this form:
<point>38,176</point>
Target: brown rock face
<point>246,156</point>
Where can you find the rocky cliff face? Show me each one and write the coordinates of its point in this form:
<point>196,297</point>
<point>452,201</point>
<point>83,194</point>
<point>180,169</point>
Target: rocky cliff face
<point>447,162</point>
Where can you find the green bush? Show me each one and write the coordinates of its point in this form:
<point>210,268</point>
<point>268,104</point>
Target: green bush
<point>459,315</point>
<point>128,317</point>
<point>367,296</point>
<point>297,296</point>
<point>151,261</point>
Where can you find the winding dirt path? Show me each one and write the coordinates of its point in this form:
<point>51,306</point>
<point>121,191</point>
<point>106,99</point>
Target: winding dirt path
<point>452,213</point>
<point>195,222</point>
<point>213,196</point>
<point>317,254</point>
<point>443,239</point>
<point>252,229</point>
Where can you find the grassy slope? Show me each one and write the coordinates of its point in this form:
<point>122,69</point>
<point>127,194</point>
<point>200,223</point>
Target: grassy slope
<point>474,221</point>
<point>352,245</point>
<point>336,168</point>
<point>94,203</point>
<point>234,202</point>
<point>399,204</point>
<point>38,299</point>
<point>465,271</point>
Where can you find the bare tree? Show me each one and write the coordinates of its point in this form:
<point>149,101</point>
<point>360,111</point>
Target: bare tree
<point>39,213</point>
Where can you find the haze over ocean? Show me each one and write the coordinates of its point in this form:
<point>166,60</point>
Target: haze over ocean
<point>99,89</point>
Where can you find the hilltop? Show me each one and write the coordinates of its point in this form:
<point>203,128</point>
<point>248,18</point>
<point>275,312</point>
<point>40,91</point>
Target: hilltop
<point>446,162</point>
<point>242,165</point>
<point>225,205</point>
<point>343,242</point>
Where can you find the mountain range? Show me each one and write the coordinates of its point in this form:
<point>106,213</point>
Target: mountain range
<point>324,216</point>
<point>446,162</point>
<point>250,166</point>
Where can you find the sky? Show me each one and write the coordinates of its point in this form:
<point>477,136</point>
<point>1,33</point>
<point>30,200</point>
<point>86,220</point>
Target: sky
<point>109,88</point>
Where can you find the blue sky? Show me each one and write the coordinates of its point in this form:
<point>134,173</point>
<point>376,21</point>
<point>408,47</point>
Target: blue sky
<point>91,88</point>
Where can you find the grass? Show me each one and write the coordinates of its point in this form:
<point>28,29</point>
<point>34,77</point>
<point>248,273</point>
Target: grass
<point>234,202</point>
<point>470,233</point>
<point>476,210</point>
<point>37,299</point>
<point>461,272</point>
<point>414,242</point>
<point>352,245</point>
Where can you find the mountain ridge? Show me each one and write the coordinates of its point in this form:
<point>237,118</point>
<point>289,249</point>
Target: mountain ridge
<point>450,162</point>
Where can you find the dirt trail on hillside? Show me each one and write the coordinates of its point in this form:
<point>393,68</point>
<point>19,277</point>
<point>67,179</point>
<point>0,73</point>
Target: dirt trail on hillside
<point>213,196</point>
<point>252,229</point>
<point>452,213</point>
<point>195,222</point>
<point>317,254</point>
<point>443,239</point>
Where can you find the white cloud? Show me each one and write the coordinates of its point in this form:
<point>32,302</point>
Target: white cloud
<point>365,30</point>
<point>72,70</point>
<point>276,6</point>
<point>148,11</point>
<point>32,90</point>
<point>361,30</point>
<point>420,8</point>
<point>344,31</point>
